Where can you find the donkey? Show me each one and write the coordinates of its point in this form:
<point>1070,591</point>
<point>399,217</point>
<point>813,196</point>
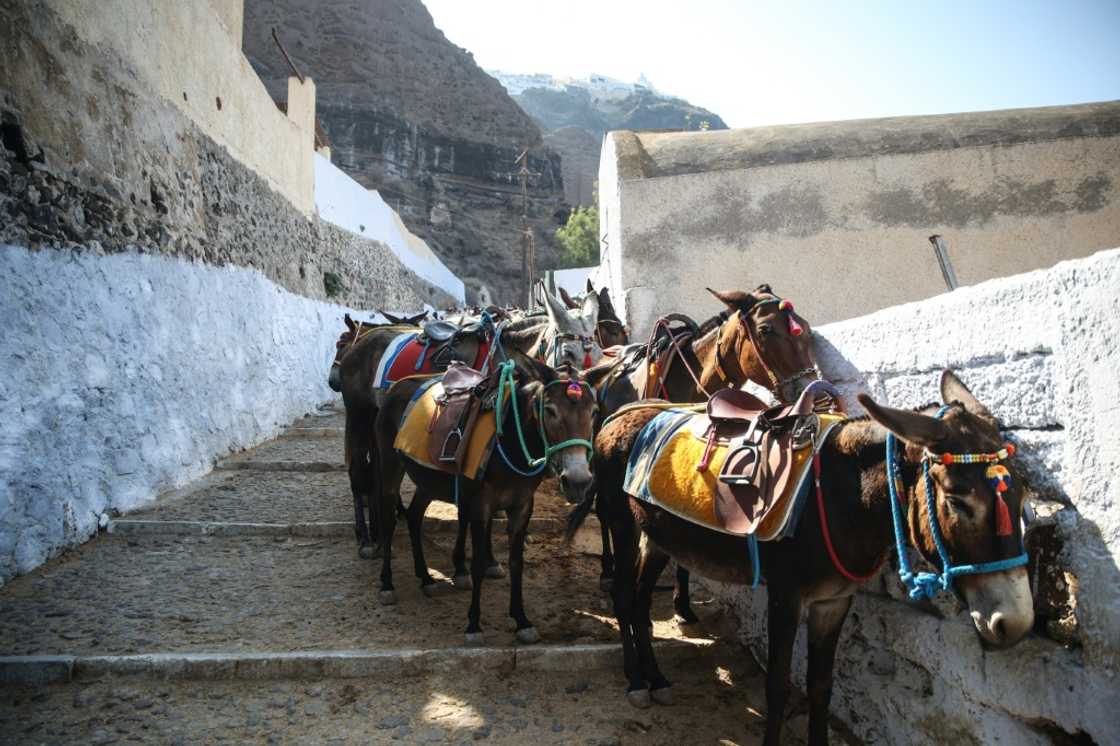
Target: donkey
<point>609,329</point>
<point>360,351</point>
<point>346,340</point>
<point>755,339</point>
<point>811,571</point>
<point>556,412</point>
<point>571,335</point>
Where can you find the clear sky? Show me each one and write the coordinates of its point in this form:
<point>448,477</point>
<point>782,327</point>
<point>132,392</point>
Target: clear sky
<point>756,63</point>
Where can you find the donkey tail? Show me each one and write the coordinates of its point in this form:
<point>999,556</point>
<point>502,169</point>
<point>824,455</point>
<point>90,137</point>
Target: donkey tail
<point>579,514</point>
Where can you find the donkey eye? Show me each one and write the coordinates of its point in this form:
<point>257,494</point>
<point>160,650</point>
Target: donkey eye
<point>959,504</point>
<point>765,329</point>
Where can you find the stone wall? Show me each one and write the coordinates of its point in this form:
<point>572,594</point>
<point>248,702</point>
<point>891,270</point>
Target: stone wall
<point>838,215</point>
<point>93,159</point>
<point>127,375</point>
<point>1039,349</point>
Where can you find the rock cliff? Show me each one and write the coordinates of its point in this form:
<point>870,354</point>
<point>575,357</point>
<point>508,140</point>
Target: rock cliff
<point>410,114</point>
<point>575,113</point>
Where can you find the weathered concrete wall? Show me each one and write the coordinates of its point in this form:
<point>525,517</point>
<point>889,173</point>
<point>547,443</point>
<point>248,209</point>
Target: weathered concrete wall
<point>1040,350</point>
<point>837,216</point>
<point>127,375</point>
<point>185,52</point>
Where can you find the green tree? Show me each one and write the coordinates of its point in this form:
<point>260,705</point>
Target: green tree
<point>579,238</point>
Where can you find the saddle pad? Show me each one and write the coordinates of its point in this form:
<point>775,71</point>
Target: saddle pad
<point>663,471</point>
<point>412,437</point>
<point>406,355</point>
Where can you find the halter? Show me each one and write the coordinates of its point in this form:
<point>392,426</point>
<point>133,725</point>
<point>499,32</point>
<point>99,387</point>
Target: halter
<point>536,465</point>
<point>557,349</point>
<point>599,334</point>
<point>795,329</point>
<point>363,329</point>
<point>926,584</point>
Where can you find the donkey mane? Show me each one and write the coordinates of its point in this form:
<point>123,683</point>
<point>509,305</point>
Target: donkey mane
<point>712,323</point>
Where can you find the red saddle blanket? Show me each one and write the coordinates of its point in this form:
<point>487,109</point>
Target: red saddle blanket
<point>410,355</point>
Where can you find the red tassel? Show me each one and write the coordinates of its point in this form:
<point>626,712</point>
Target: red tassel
<point>795,328</point>
<point>1003,516</point>
<point>586,360</point>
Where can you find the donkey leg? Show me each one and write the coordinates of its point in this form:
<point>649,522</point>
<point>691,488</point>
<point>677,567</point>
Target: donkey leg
<point>623,592</point>
<point>459,553</point>
<point>783,617</point>
<point>480,512</point>
<point>387,523</point>
<point>519,526</point>
<point>606,572</point>
<point>682,601</point>
<point>493,566</point>
<point>826,618</point>
<point>358,453</point>
<point>651,562</point>
<point>415,517</point>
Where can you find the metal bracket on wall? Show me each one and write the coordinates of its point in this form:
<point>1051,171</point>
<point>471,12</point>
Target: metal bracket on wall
<point>941,251</point>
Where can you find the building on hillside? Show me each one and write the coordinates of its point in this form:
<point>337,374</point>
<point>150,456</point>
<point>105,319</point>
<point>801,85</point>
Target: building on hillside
<point>838,216</point>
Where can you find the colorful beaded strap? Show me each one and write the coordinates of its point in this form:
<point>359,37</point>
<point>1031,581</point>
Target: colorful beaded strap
<point>997,474</point>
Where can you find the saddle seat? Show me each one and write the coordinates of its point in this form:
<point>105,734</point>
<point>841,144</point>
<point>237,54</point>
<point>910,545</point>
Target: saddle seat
<point>738,468</point>
<point>449,425</point>
<point>441,330</point>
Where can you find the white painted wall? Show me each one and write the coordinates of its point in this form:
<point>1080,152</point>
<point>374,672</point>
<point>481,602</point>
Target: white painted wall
<point>127,375</point>
<point>349,205</point>
<point>1040,349</point>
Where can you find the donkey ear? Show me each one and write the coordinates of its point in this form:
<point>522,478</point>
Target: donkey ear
<point>557,313</point>
<point>953,389</point>
<point>568,299</point>
<point>590,287</point>
<point>606,308</point>
<point>763,289</point>
<point>913,427</point>
<point>590,310</point>
<point>736,300</point>
<point>349,322</point>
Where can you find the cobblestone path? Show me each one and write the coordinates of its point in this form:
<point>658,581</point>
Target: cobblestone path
<point>237,610</point>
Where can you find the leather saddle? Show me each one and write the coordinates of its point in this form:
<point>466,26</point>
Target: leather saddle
<point>450,342</point>
<point>762,449</point>
<point>458,405</point>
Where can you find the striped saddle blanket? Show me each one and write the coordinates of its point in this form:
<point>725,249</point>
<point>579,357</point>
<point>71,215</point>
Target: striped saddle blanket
<point>411,354</point>
<point>668,468</point>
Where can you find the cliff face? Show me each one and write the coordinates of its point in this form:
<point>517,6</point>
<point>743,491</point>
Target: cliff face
<point>410,114</point>
<point>576,113</point>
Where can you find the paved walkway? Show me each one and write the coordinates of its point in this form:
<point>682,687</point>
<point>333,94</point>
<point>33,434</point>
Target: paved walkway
<point>237,609</point>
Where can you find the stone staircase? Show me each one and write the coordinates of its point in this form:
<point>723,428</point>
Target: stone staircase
<point>237,609</point>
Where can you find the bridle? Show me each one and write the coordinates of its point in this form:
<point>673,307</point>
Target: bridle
<point>507,383</point>
<point>363,329</point>
<point>599,333</point>
<point>778,384</point>
<point>927,584</point>
<point>552,351</point>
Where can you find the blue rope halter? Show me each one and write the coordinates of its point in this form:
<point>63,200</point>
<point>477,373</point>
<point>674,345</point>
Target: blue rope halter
<point>927,584</point>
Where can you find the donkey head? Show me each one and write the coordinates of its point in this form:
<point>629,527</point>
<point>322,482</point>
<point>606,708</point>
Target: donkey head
<point>978,517</point>
<point>774,345</point>
<point>611,329</point>
<point>565,408</point>
<point>342,346</point>
<point>570,336</point>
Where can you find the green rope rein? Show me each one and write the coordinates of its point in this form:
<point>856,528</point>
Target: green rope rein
<point>506,382</point>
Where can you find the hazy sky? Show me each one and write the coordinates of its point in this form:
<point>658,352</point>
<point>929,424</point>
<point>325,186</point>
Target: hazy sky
<point>757,63</point>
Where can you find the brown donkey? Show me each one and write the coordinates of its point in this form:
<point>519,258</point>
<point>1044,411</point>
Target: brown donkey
<point>360,351</point>
<point>759,338</point>
<point>548,418</point>
<point>974,521</point>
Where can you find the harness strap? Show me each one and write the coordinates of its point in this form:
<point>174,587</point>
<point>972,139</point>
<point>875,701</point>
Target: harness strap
<point>832,555</point>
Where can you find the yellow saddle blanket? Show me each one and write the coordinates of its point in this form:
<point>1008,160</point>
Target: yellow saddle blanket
<point>663,470</point>
<point>413,436</point>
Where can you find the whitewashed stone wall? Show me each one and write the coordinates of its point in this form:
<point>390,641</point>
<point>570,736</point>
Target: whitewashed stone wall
<point>126,375</point>
<point>1041,349</point>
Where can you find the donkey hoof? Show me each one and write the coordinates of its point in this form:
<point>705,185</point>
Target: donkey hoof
<point>528,635</point>
<point>638,698</point>
<point>367,551</point>
<point>462,582</point>
<point>431,589</point>
<point>387,598</point>
<point>662,696</point>
<point>495,571</point>
<point>606,584</point>
<point>473,639</point>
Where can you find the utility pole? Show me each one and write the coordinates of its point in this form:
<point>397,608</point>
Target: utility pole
<point>528,241</point>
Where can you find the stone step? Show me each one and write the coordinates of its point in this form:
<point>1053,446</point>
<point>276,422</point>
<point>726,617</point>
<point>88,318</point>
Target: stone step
<point>718,699</point>
<point>291,449</point>
<point>438,519</point>
<point>337,664</point>
<point>131,594</point>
